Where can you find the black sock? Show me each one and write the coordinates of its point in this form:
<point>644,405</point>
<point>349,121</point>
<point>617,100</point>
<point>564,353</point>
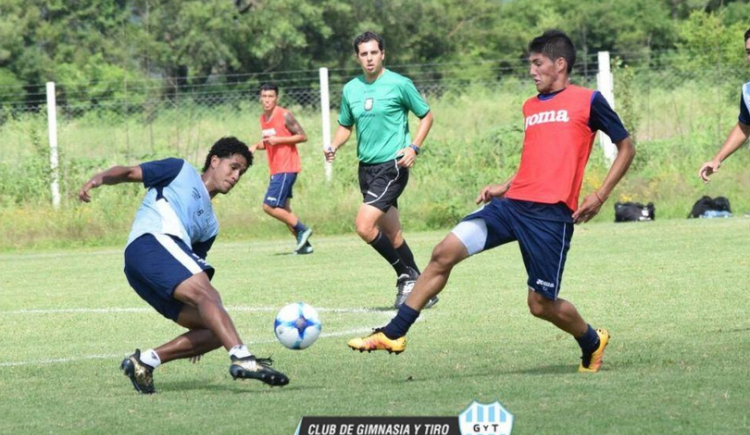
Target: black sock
<point>399,325</point>
<point>385,248</point>
<point>299,227</point>
<point>405,253</point>
<point>589,342</point>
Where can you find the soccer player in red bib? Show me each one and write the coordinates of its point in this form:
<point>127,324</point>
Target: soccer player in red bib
<point>281,134</point>
<point>537,207</point>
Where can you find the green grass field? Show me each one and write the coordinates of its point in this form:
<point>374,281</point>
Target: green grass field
<point>672,293</point>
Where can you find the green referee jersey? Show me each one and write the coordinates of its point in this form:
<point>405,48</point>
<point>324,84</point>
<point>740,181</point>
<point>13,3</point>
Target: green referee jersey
<point>380,111</point>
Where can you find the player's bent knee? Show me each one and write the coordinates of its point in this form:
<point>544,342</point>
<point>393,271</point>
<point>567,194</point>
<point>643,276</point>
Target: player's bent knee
<point>539,308</point>
<point>366,231</point>
<point>537,311</point>
<point>198,294</point>
<point>268,209</point>
<point>444,255</point>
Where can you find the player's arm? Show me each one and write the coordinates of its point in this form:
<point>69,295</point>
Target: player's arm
<point>409,154</point>
<point>494,191</point>
<point>257,146</point>
<point>113,175</point>
<point>604,119</point>
<point>736,138</point>
<point>344,130</point>
<point>339,139</point>
<point>414,101</point>
<point>298,134</point>
<point>593,202</point>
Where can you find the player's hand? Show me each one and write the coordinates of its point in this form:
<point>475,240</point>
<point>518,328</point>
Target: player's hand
<point>708,169</point>
<point>93,183</point>
<point>408,156</point>
<point>588,209</point>
<point>195,359</point>
<point>491,191</point>
<point>330,154</point>
<point>272,140</point>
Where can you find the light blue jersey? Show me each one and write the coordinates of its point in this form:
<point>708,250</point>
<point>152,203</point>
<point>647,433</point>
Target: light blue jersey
<point>177,204</point>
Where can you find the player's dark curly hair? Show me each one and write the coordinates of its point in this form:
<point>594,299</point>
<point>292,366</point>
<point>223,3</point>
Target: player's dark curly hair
<point>747,35</point>
<point>367,37</point>
<point>555,44</point>
<point>227,147</point>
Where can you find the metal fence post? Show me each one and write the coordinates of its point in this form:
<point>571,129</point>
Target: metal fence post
<point>52,128</point>
<point>325,115</point>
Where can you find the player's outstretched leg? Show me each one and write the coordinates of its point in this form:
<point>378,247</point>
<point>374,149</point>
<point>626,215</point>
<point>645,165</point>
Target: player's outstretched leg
<point>197,292</point>
<point>140,374</point>
<point>564,315</point>
<point>392,337</point>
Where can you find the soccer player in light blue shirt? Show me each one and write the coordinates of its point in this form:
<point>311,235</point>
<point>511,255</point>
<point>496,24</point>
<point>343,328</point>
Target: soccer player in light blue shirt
<point>739,133</point>
<point>165,259</point>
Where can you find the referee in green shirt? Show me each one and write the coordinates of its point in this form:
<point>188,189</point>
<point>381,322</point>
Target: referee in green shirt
<point>378,104</point>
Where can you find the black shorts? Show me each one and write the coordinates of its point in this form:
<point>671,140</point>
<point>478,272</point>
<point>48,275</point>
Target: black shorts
<point>382,183</point>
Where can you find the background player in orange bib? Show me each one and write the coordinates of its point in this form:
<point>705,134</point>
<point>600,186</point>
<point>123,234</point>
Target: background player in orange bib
<point>537,207</point>
<point>281,134</point>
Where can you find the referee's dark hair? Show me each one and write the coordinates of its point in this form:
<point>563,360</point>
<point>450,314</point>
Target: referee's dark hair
<point>226,147</point>
<point>367,37</point>
<point>269,87</point>
<point>747,35</point>
<point>555,44</point>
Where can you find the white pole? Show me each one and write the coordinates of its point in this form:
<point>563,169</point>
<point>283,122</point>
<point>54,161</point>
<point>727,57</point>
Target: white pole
<point>52,127</point>
<point>605,83</point>
<point>325,115</point>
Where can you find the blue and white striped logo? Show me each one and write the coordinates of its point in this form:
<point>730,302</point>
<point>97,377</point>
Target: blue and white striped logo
<point>485,419</point>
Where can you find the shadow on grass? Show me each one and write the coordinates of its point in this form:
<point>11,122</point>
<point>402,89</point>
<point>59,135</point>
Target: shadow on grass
<point>237,387</point>
<point>560,369</point>
<point>566,369</point>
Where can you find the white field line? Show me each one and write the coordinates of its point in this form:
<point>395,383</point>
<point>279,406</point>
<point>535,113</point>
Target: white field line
<point>113,356</point>
<point>144,310</point>
<point>239,309</point>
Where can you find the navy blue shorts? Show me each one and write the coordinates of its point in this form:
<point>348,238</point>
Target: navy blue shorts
<point>544,243</point>
<point>155,264</point>
<point>280,189</point>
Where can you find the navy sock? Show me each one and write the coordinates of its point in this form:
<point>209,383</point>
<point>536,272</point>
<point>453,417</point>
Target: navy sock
<point>299,227</point>
<point>589,341</point>
<point>405,253</point>
<point>385,248</point>
<point>399,325</point>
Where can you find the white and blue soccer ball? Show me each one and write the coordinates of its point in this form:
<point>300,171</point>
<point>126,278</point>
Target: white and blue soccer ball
<point>297,326</point>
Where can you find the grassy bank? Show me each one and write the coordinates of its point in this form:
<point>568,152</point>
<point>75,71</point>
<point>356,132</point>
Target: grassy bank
<point>476,140</point>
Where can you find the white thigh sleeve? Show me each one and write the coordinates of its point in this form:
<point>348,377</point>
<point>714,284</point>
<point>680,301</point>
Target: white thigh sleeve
<point>473,234</point>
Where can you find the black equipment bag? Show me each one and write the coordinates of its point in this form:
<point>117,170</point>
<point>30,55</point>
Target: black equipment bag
<point>634,212</point>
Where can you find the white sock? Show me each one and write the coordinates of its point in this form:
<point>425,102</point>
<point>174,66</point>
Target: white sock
<point>239,351</point>
<point>151,358</point>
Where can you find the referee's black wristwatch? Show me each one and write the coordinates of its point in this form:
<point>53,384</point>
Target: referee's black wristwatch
<point>415,148</point>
